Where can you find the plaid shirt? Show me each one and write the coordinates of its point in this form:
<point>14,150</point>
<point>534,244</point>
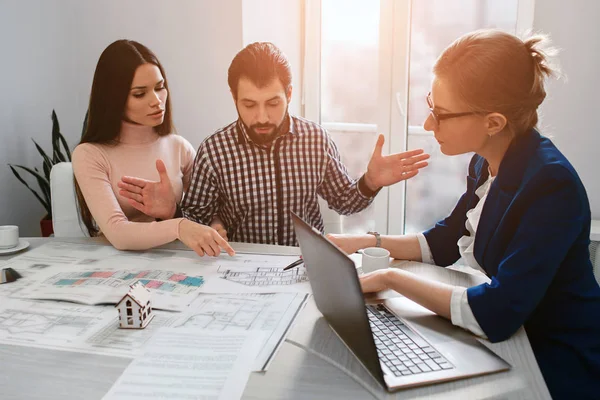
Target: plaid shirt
<point>253,187</point>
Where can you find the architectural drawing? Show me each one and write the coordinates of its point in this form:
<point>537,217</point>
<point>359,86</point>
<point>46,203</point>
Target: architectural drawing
<point>18,322</point>
<point>272,313</point>
<point>49,324</point>
<point>265,276</point>
<point>112,340</point>
<point>156,279</point>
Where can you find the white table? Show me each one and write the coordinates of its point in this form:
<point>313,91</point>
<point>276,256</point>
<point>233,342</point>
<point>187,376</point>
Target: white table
<point>311,364</point>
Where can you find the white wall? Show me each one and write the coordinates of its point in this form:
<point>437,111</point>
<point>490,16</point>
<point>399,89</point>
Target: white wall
<point>49,49</point>
<point>278,22</point>
<point>570,112</point>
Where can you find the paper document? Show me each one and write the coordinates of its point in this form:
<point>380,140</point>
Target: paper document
<point>82,284</point>
<point>253,273</point>
<point>188,364</point>
<point>271,313</point>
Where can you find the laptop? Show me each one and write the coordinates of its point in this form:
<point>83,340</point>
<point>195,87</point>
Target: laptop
<point>398,342</point>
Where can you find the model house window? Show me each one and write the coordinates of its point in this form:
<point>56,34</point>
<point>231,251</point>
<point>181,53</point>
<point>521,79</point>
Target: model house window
<point>368,69</point>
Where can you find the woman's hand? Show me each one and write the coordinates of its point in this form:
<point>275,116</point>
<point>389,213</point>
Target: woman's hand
<point>350,243</point>
<point>375,281</point>
<point>155,199</point>
<point>203,239</point>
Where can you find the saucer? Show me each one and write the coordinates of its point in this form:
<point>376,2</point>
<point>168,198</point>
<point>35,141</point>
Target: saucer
<point>23,244</point>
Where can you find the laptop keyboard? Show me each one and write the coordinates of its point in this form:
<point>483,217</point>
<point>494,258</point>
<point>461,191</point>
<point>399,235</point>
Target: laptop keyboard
<point>399,348</point>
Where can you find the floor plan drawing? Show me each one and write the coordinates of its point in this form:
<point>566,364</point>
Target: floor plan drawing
<point>30,322</point>
<point>39,323</point>
<point>126,342</point>
<point>265,276</point>
<point>271,313</point>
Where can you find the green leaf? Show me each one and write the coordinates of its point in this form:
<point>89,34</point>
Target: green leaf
<point>34,173</point>
<point>43,183</point>
<point>66,146</point>
<point>55,132</point>
<point>47,162</point>
<point>44,203</point>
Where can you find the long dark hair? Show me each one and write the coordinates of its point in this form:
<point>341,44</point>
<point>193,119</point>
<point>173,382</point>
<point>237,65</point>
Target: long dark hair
<point>110,91</point>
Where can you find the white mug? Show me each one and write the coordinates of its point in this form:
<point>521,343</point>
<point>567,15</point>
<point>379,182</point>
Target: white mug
<point>9,236</point>
<point>374,258</point>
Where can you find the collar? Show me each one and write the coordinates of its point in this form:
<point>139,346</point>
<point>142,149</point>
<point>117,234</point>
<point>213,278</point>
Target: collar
<point>513,164</point>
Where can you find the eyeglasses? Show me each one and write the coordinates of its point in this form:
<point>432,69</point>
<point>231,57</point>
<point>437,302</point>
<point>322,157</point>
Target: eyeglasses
<point>437,118</point>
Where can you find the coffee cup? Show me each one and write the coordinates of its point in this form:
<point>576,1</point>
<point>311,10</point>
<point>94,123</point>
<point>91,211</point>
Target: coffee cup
<point>9,236</point>
<point>374,258</point>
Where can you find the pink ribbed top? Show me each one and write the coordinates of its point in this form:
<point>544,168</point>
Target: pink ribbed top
<point>99,167</point>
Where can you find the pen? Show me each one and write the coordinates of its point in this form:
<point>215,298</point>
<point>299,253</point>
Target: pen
<point>295,263</point>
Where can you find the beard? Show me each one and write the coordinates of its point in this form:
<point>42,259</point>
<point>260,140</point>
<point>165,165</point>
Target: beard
<point>265,138</point>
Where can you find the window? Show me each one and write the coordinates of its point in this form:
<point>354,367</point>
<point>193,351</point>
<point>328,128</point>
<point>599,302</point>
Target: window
<point>348,62</point>
<point>368,68</point>
<point>129,311</point>
<point>434,25</point>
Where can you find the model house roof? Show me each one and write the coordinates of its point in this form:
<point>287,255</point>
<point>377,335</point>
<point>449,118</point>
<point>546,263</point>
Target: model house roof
<point>137,293</point>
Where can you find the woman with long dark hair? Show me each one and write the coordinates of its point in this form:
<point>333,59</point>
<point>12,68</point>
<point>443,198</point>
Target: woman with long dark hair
<point>129,133</point>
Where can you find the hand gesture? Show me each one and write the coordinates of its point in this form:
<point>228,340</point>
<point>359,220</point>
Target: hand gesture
<point>387,170</point>
<point>155,199</point>
<point>203,239</point>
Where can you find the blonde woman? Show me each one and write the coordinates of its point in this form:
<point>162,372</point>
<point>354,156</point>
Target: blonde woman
<point>524,219</point>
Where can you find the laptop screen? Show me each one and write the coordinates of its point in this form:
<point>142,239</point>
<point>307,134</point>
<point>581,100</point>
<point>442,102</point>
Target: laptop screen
<point>336,288</point>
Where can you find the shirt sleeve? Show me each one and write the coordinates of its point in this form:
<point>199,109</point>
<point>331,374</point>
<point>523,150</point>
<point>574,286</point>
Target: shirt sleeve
<point>461,313</point>
<point>426,256</point>
<point>200,201</point>
<point>341,192</point>
<point>91,169</point>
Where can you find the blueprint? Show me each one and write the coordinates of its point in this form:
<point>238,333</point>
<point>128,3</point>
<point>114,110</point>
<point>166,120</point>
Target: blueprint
<point>265,276</point>
<point>247,292</point>
<point>50,324</point>
<point>81,284</point>
<point>112,340</point>
<point>271,313</point>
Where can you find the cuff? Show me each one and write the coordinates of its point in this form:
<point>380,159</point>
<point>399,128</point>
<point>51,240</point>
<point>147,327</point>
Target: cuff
<point>461,313</point>
<point>364,190</point>
<point>426,256</point>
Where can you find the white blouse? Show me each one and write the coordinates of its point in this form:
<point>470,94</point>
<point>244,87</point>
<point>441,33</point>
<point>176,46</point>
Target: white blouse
<point>460,310</point>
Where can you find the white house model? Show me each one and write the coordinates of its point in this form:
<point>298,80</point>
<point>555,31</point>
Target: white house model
<point>135,309</point>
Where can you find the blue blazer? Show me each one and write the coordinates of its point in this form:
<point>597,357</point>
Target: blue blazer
<point>533,242</point>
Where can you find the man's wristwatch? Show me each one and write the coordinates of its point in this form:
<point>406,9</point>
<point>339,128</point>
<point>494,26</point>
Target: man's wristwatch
<point>377,238</point>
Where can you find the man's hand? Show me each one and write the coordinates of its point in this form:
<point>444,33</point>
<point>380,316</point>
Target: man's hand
<point>387,170</point>
<point>203,239</point>
<point>219,226</point>
<point>155,199</point>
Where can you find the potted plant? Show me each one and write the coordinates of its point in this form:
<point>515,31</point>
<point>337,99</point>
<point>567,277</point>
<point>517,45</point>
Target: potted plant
<point>43,177</point>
